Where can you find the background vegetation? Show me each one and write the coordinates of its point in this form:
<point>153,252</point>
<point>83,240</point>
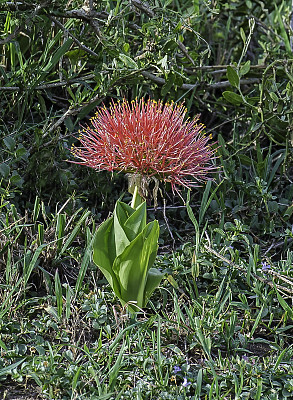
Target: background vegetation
<point>221,324</point>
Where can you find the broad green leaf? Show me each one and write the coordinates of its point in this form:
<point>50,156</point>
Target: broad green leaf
<point>121,214</point>
<point>104,253</point>
<point>154,248</point>
<point>154,278</point>
<point>132,221</point>
<point>136,222</point>
<point>232,97</point>
<point>132,265</point>
<point>232,76</point>
<point>123,211</point>
<point>125,249</point>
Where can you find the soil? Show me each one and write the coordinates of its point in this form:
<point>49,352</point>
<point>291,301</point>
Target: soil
<point>10,390</point>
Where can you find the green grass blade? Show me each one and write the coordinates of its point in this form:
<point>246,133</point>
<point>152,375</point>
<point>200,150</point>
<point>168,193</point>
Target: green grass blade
<point>9,368</point>
<point>28,270</point>
<point>84,264</point>
<point>58,294</point>
<point>113,373</point>
<point>258,318</point>
<point>75,232</point>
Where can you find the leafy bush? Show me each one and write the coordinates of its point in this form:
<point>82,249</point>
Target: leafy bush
<point>59,63</point>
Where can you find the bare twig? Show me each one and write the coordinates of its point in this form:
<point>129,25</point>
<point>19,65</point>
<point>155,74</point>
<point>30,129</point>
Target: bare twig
<point>217,67</point>
<point>283,278</point>
<point>185,51</point>
<point>85,13</point>
<point>12,35</point>
<point>188,86</point>
<point>144,7</point>
<point>82,46</point>
<point>49,85</point>
<point>10,89</point>
<point>68,113</point>
<point>146,74</point>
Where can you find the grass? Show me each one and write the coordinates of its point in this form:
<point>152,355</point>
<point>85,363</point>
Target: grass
<point>219,327</point>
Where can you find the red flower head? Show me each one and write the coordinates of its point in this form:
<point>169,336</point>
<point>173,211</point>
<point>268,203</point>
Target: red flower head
<point>147,139</point>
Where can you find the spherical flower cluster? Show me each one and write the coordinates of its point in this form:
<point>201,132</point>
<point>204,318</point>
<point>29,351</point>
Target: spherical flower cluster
<point>148,139</point>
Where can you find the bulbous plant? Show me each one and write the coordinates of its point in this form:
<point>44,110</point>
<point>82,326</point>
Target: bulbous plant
<point>148,141</point>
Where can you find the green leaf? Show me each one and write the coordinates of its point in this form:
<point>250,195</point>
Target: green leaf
<point>288,212</point>
<point>9,368</point>
<point>132,220</point>
<point>245,159</point>
<point>53,60</point>
<point>154,278</point>
<point>4,170</point>
<point>232,76</point>
<point>27,270</point>
<point>168,85</point>
<point>105,253</point>
<point>84,264</point>
<point>113,373</point>
<point>274,97</point>
<point>125,249</point>
<point>171,279</point>
<point>3,345</point>
<point>131,267</point>
<point>60,229</point>
<point>75,231</point>
<point>243,36</point>
<point>283,303</point>
<point>232,97</point>
<point>170,45</point>
<point>58,54</point>
<point>9,143</point>
<point>129,62</point>
<point>121,213</point>
<point>283,31</point>
<point>245,68</point>
<point>58,293</point>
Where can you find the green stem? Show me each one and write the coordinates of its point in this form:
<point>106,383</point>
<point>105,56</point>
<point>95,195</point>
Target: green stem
<point>136,198</point>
